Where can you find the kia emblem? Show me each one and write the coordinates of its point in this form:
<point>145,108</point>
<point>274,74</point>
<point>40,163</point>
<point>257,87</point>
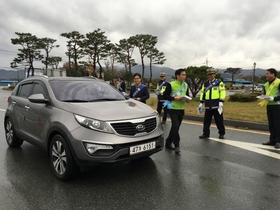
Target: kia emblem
<point>140,127</point>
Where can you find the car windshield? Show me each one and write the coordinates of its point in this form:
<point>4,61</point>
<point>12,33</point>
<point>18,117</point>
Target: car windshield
<point>84,91</point>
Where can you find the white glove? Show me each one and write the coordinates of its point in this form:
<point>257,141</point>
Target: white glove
<point>269,98</point>
<point>200,109</point>
<point>220,109</point>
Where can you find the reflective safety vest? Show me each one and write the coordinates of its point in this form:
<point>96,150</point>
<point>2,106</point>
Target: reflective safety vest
<point>272,90</point>
<point>175,87</point>
<point>162,88</point>
<point>212,93</point>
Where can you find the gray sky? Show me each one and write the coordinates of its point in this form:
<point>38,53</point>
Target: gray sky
<point>229,33</point>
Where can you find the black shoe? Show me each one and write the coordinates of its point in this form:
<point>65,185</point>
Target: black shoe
<point>203,137</point>
<point>277,146</point>
<point>169,146</point>
<point>221,137</point>
<point>178,151</point>
<point>269,143</point>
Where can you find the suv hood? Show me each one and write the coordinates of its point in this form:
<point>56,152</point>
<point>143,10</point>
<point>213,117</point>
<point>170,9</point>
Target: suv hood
<point>110,110</point>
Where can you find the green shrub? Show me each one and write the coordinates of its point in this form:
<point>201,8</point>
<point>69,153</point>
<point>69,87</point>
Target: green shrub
<point>243,98</point>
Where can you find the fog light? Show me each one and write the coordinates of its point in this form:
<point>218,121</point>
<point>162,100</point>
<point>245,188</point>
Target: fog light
<point>92,148</point>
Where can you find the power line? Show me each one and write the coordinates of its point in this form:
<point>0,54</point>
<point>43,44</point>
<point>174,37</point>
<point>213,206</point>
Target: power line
<point>2,50</point>
<point>245,61</point>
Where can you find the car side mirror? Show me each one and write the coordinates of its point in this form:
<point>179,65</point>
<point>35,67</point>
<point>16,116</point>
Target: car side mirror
<point>37,98</point>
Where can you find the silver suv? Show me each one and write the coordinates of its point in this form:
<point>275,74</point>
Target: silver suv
<point>80,121</point>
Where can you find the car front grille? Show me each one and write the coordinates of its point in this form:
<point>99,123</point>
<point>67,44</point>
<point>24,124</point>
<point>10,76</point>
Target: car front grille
<point>131,128</point>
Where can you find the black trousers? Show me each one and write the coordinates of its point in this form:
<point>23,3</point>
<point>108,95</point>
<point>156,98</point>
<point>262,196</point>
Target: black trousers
<point>176,120</point>
<point>273,115</point>
<point>159,108</point>
<point>219,120</point>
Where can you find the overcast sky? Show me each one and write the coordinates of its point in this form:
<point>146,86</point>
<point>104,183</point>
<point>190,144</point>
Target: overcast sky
<point>229,33</point>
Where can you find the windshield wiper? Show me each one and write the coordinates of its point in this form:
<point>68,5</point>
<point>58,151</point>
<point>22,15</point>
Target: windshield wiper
<point>75,100</point>
<point>104,99</point>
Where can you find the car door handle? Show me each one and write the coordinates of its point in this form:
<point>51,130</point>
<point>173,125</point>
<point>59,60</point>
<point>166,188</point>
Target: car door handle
<point>27,107</point>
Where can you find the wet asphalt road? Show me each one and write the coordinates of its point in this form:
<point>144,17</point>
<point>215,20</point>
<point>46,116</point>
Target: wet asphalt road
<point>207,175</point>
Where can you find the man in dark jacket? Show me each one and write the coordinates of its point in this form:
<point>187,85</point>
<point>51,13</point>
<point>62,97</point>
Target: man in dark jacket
<point>174,95</point>
<point>139,91</point>
<point>161,86</point>
<point>121,85</point>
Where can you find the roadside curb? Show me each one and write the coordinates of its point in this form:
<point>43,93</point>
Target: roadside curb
<point>233,123</point>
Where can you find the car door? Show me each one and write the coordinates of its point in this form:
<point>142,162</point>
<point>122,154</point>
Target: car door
<point>19,111</point>
<point>37,118</point>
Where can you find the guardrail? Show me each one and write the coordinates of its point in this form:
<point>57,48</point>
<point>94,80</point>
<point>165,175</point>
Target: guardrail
<point>8,82</point>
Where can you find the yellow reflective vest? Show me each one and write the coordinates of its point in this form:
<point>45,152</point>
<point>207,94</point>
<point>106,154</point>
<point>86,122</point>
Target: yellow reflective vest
<point>212,93</point>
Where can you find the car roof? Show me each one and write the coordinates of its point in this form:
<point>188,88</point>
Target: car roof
<point>46,78</point>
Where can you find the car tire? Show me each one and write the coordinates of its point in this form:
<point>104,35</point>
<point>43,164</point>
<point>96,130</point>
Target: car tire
<point>10,134</point>
<point>62,162</point>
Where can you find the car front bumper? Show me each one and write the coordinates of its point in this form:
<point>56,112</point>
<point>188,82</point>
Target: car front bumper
<point>121,147</point>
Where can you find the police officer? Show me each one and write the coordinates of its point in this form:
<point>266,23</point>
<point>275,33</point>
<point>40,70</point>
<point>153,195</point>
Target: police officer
<point>272,90</point>
<point>161,86</point>
<point>213,94</point>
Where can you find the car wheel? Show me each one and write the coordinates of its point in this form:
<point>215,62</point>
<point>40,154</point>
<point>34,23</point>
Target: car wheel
<point>11,137</point>
<point>62,162</point>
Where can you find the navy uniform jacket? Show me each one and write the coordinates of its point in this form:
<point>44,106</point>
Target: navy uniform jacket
<point>163,87</point>
<point>122,87</point>
<point>143,93</point>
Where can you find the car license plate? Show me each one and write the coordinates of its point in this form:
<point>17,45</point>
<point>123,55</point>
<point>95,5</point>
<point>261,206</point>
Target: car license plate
<point>142,148</point>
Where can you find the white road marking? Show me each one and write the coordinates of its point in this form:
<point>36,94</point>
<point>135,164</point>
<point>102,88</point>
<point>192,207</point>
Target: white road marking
<point>228,128</point>
<point>258,148</point>
<point>2,110</point>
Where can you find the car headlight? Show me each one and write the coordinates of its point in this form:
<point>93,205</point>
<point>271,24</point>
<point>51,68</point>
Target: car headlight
<point>93,124</point>
<point>157,117</point>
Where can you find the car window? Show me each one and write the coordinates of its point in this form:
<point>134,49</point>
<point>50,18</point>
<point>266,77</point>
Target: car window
<point>25,90</point>
<point>39,88</point>
<point>84,91</point>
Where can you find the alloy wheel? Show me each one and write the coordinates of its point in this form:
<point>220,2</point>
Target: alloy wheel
<point>9,132</point>
<point>59,158</point>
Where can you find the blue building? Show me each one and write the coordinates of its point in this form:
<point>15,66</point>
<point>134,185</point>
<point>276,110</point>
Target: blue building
<point>238,82</point>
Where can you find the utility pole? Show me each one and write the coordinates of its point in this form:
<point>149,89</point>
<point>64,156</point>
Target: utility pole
<point>206,62</point>
<point>69,52</point>
<point>254,70</point>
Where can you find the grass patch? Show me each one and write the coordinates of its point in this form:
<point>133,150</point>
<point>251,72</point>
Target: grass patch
<point>240,111</point>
